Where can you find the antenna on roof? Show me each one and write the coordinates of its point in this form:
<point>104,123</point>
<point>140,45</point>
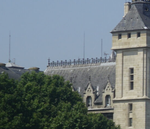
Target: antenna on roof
<point>9,46</point>
<point>14,60</point>
<point>84,47</point>
<point>101,47</point>
<point>106,54</point>
<point>48,61</point>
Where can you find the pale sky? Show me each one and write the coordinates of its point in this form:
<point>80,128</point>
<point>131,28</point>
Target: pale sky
<point>42,29</point>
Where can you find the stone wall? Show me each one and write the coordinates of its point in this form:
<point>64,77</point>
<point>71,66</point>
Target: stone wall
<point>132,42</point>
<point>122,113</point>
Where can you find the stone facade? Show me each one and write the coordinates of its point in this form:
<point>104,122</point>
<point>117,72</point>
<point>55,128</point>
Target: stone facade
<point>120,90</point>
<point>131,104</point>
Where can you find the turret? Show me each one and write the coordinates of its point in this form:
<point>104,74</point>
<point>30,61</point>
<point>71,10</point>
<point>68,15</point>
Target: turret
<point>131,42</point>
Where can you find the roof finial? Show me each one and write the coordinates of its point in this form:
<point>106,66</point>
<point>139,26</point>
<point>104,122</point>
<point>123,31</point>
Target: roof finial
<point>84,47</point>
<point>9,46</point>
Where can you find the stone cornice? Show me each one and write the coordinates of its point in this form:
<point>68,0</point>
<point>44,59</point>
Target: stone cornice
<point>130,99</point>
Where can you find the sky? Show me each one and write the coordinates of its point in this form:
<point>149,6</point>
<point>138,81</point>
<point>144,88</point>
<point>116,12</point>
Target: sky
<point>42,29</point>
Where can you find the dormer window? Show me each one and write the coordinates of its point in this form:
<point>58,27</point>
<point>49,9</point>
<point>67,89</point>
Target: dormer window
<point>119,36</point>
<point>108,101</point>
<point>138,34</point>
<point>129,35</point>
<point>89,101</point>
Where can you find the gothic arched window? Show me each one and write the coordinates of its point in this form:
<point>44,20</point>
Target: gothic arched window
<point>108,101</point>
<point>89,101</point>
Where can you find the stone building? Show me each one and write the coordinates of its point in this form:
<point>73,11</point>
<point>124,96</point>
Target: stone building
<point>120,90</point>
<point>95,82</point>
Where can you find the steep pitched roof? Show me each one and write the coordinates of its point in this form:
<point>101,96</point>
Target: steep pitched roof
<point>79,76</point>
<point>89,85</point>
<point>137,18</point>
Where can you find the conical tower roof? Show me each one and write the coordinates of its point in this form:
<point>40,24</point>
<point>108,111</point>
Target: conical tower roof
<point>138,18</point>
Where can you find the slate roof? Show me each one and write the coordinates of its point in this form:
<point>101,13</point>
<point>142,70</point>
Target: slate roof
<point>13,71</point>
<point>79,76</point>
<point>137,18</point>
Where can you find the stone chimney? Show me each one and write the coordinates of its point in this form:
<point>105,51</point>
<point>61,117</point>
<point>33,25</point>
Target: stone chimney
<point>127,7</point>
<point>36,69</point>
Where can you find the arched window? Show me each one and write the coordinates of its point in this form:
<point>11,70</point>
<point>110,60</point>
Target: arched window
<point>89,101</point>
<point>108,101</point>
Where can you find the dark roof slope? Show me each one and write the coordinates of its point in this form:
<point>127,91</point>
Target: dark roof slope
<point>79,76</point>
<point>137,18</point>
<point>14,73</point>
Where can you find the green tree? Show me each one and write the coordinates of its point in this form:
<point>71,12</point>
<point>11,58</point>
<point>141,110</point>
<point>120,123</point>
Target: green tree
<point>98,121</point>
<point>38,101</point>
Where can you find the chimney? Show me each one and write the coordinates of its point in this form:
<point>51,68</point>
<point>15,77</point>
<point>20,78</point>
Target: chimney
<point>127,7</point>
<point>36,69</point>
<point>2,65</point>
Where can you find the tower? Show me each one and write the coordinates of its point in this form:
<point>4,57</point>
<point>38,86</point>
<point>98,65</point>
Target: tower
<point>131,42</point>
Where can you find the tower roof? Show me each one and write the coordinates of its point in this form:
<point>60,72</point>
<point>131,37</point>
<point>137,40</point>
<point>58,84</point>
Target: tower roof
<point>138,18</point>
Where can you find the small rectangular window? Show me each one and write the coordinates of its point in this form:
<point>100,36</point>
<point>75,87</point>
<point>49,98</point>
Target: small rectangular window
<point>129,35</point>
<point>119,36</point>
<point>138,34</point>
<point>130,122</point>
<point>131,85</point>
<point>131,78</point>
<point>130,107</point>
<point>131,71</point>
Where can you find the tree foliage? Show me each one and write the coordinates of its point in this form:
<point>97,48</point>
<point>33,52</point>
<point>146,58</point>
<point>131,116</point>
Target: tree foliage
<point>38,101</point>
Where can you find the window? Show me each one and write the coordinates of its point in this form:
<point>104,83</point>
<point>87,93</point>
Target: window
<point>107,103</point>
<point>138,34</point>
<point>130,107</point>
<point>131,85</point>
<point>89,101</point>
<point>146,9</point>
<point>129,35</point>
<point>119,36</point>
<point>131,78</point>
<point>130,122</point>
